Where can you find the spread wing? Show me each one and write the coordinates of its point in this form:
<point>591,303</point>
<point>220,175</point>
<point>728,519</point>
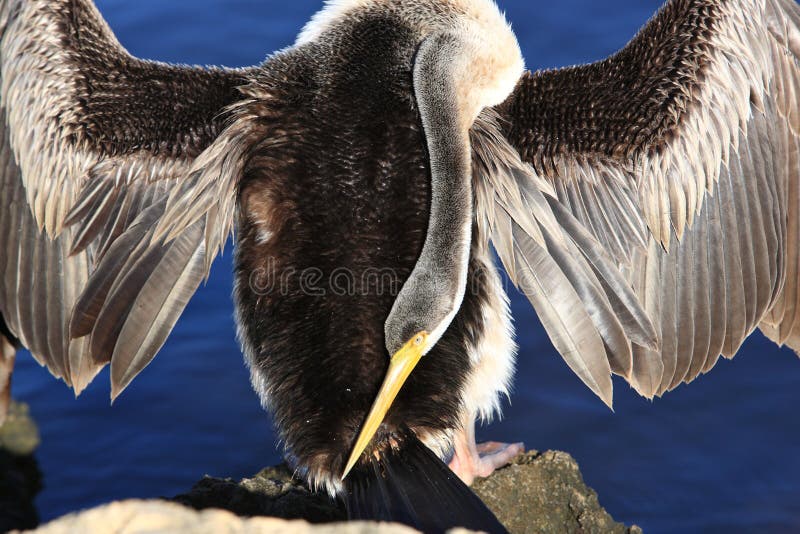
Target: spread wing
<point>654,218</point>
<point>117,183</point>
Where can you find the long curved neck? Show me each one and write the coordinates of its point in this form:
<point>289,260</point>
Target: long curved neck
<point>447,244</point>
<point>435,289</point>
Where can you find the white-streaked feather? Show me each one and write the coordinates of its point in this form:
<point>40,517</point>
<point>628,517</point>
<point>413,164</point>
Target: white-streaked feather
<point>85,216</point>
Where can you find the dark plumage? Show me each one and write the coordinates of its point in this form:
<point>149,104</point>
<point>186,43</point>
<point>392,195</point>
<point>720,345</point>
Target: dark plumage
<point>342,186</point>
<point>632,100</point>
<point>127,105</point>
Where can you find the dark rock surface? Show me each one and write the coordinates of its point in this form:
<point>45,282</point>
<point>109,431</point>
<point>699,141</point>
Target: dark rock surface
<point>271,492</point>
<point>536,493</point>
<point>20,478</point>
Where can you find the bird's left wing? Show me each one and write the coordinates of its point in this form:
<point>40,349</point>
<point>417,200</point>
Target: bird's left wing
<point>654,218</point>
<point>117,181</point>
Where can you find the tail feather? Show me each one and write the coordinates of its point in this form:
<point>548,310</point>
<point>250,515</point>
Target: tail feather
<point>410,484</point>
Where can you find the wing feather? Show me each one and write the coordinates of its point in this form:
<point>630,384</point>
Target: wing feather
<point>562,314</point>
<point>684,333</point>
<point>622,299</point>
<point>698,271</point>
<point>718,287</point>
<point>143,334</point>
<point>93,151</point>
<point>594,299</point>
<point>648,366</point>
<point>674,167</point>
<point>667,285</point>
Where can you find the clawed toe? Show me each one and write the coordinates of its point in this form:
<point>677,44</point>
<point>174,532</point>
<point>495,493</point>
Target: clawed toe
<point>490,447</point>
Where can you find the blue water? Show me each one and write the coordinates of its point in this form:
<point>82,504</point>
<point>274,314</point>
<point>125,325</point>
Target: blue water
<point>720,455</point>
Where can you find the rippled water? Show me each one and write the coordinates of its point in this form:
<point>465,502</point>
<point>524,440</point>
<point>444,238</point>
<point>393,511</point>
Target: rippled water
<point>719,455</point>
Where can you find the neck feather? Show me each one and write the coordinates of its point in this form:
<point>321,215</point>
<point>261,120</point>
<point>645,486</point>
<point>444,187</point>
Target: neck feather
<point>435,289</point>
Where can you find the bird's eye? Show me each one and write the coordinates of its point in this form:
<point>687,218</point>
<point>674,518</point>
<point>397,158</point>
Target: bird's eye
<point>418,340</point>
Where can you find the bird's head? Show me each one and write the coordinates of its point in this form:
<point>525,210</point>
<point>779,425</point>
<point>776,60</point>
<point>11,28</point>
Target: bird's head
<point>421,313</point>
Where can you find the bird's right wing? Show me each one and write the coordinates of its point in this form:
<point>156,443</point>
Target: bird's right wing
<point>118,183</point>
<point>654,218</point>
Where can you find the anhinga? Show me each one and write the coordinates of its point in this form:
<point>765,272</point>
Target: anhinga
<point>648,205</point>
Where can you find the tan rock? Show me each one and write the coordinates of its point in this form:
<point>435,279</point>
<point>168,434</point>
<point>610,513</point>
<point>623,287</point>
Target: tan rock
<point>139,517</point>
<point>18,433</point>
<point>545,492</point>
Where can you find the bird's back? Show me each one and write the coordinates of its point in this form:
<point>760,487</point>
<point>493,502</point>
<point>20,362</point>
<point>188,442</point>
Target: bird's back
<point>333,218</point>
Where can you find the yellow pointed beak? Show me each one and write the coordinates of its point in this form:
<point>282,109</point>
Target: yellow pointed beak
<point>400,367</point>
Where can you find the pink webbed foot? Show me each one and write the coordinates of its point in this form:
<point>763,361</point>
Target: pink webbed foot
<point>491,456</point>
<point>471,461</point>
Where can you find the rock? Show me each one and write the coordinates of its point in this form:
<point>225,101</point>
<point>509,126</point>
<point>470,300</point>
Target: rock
<point>546,493</point>
<point>20,478</point>
<point>272,492</point>
<point>536,493</point>
<point>159,516</point>
<point>18,434</point>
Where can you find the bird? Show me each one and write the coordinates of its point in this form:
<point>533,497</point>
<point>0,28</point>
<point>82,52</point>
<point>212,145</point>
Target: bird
<point>645,204</point>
